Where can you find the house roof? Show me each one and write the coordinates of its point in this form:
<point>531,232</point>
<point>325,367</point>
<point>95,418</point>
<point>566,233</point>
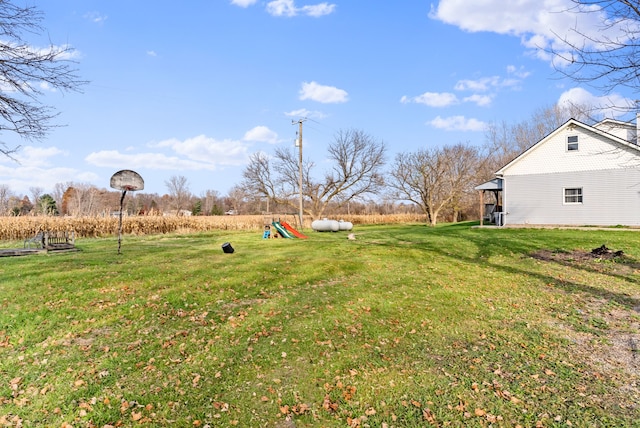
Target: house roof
<point>615,122</point>
<point>572,124</point>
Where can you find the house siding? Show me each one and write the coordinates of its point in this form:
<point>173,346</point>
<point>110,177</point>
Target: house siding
<point>622,130</point>
<point>610,197</point>
<point>594,153</point>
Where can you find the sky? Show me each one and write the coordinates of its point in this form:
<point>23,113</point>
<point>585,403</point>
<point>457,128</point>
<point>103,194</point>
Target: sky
<point>194,88</point>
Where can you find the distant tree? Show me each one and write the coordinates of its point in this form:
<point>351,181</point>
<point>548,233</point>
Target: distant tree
<point>36,192</point>
<point>236,197</point>
<point>5,197</point>
<point>179,192</point>
<point>58,191</point>
<point>434,178</point>
<point>25,70</point>
<point>47,205</point>
<point>356,166</point>
<point>21,207</point>
<point>607,55</point>
<point>211,200</point>
<point>197,207</point>
<point>80,199</point>
<point>153,207</point>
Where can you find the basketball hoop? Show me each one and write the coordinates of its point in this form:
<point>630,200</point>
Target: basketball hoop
<point>125,180</point>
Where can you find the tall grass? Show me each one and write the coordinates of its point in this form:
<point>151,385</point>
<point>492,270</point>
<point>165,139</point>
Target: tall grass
<point>17,228</point>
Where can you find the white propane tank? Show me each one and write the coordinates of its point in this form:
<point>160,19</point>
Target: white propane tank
<point>325,225</point>
<point>345,225</point>
<point>319,225</point>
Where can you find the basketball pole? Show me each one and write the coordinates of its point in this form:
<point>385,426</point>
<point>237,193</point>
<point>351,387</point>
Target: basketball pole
<point>124,192</point>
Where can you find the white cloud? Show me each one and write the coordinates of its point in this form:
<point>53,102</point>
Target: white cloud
<point>281,8</point>
<point>288,8</point>
<point>117,160</point>
<point>322,94</point>
<point>243,3</point>
<point>317,10</point>
<point>46,87</point>
<point>152,53</point>
<point>261,134</point>
<point>31,156</point>
<point>457,123</point>
<point>303,112</point>
<point>95,17</point>
<point>209,150</point>
<point>479,85</point>
<point>432,99</point>
<point>612,106</point>
<point>480,100</point>
<point>540,25</point>
<point>197,153</point>
<point>518,72</point>
<point>34,169</point>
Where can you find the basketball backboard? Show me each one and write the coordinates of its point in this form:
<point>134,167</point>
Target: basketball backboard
<point>127,180</point>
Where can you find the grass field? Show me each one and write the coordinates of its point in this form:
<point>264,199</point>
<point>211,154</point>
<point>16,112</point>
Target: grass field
<point>405,326</point>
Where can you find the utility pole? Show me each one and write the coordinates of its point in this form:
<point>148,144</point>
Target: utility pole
<point>299,145</point>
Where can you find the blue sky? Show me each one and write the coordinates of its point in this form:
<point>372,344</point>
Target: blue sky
<point>194,88</point>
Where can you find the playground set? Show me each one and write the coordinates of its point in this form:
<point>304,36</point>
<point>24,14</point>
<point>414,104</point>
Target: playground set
<point>279,228</point>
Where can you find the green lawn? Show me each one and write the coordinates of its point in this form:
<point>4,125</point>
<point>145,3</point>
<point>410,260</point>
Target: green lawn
<point>406,326</point>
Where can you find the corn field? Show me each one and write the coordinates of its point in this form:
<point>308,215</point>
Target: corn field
<point>19,228</point>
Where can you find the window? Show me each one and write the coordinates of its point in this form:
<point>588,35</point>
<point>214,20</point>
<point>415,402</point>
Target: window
<point>572,143</point>
<point>573,195</point>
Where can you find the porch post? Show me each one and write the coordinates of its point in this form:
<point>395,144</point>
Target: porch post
<point>481,207</point>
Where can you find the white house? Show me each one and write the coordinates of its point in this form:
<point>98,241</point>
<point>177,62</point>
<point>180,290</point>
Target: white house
<point>577,175</point>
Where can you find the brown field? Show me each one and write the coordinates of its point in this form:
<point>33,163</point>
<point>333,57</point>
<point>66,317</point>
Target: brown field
<point>18,228</point>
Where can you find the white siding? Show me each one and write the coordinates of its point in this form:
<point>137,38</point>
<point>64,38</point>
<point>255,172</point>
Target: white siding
<point>626,131</point>
<point>610,197</point>
<point>595,153</point>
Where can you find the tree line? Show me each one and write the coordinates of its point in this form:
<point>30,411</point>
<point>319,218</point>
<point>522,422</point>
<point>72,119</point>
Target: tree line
<point>437,181</point>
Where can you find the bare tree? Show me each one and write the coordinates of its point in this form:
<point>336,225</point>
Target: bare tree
<point>237,197</point>
<point>36,192</point>
<point>357,162</point>
<point>81,199</point>
<point>58,192</point>
<point>24,70</point>
<point>5,196</point>
<point>605,55</point>
<point>179,192</point>
<point>434,178</point>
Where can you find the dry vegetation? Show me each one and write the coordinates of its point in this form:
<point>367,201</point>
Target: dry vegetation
<point>17,228</point>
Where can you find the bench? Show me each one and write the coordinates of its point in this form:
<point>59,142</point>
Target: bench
<point>36,240</point>
<point>48,240</point>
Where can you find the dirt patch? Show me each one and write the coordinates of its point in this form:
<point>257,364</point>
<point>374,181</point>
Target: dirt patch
<point>612,351</point>
<point>604,335</point>
<point>618,262</point>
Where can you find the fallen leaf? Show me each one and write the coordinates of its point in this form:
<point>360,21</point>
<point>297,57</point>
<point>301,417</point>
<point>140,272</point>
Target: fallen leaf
<point>428,416</point>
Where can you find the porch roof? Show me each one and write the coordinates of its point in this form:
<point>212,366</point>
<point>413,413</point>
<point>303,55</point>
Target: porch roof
<point>495,184</point>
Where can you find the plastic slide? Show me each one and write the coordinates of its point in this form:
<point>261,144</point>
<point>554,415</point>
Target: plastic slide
<point>281,230</point>
<point>293,231</point>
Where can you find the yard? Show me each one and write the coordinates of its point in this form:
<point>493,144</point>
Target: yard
<point>405,326</point>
